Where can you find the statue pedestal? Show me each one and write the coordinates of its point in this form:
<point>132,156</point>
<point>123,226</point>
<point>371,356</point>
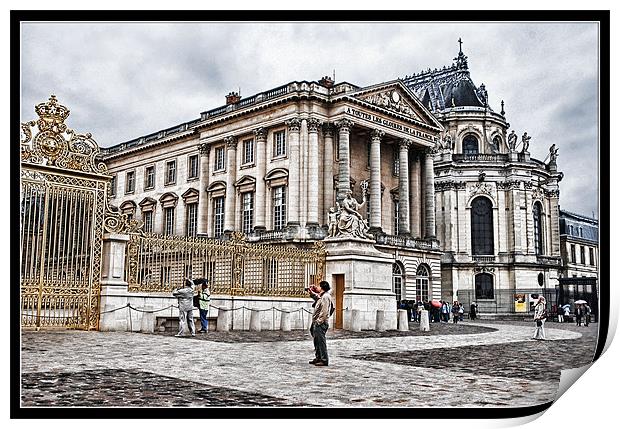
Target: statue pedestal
<point>367,281</point>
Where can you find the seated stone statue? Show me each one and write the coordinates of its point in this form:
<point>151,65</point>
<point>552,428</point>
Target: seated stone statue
<point>350,221</point>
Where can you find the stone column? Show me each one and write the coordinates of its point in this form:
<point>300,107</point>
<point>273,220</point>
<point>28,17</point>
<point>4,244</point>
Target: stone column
<point>113,283</point>
<point>429,195</point>
<point>403,187</point>
<point>375,180</point>
<point>344,173</point>
<point>328,167</point>
<point>313,173</point>
<point>231,178</point>
<point>203,199</point>
<point>415,196</point>
<point>293,172</point>
<point>261,168</point>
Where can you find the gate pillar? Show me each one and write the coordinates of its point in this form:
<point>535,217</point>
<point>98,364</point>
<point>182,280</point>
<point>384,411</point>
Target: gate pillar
<point>113,283</point>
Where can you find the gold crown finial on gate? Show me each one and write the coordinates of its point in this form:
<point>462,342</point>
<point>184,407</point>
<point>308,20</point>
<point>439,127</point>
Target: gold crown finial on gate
<point>52,112</point>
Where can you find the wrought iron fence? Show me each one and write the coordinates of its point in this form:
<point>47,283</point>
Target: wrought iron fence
<point>160,263</point>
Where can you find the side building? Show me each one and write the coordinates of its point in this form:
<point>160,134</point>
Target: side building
<point>580,259</point>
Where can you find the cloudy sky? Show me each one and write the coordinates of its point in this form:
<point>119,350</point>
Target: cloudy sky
<point>122,81</point>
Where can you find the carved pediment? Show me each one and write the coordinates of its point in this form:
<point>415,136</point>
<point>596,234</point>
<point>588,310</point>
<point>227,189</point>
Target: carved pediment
<point>392,99</point>
<point>395,97</point>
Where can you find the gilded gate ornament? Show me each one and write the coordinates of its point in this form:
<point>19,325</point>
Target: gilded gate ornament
<point>56,145</point>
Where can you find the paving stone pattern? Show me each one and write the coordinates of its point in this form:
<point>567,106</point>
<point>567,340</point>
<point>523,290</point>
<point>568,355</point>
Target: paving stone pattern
<point>366,369</point>
<point>131,388</point>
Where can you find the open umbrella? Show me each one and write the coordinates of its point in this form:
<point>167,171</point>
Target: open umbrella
<point>436,303</point>
<point>581,301</point>
<point>566,306</point>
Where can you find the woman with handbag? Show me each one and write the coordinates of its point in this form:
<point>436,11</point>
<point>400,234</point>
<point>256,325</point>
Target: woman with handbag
<point>540,315</point>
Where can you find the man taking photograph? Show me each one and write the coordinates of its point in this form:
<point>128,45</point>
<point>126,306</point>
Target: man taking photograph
<point>322,310</point>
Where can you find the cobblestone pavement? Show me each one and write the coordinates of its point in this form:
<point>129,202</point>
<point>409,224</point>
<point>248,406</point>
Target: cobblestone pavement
<point>490,361</point>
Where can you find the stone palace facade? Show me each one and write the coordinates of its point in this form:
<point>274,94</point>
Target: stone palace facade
<point>442,185</point>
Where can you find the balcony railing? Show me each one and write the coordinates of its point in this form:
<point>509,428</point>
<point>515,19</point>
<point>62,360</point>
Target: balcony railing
<point>484,258</point>
<point>404,241</point>
<point>493,157</point>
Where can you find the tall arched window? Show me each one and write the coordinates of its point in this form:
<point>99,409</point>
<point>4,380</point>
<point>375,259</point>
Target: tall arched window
<point>482,226</point>
<point>484,286</point>
<point>470,145</point>
<point>397,281</point>
<point>538,228</point>
<point>421,283</point>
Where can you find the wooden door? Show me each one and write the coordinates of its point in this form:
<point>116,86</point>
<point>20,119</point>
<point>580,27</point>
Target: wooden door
<point>339,294</point>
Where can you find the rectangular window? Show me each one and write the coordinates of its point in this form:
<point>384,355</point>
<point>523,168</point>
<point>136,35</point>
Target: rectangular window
<point>169,221</point>
<point>395,163</point>
<point>191,222</point>
<point>218,216</point>
<point>113,186</point>
<point>396,214</point>
<point>219,159</point>
<point>171,172</point>
<point>573,257</point>
<point>279,208</point>
<point>130,183</point>
<point>147,218</point>
<point>592,256</point>
<point>149,177</point>
<point>193,167</point>
<point>279,143</point>
<point>583,255</point>
<point>248,151</point>
<point>247,213</point>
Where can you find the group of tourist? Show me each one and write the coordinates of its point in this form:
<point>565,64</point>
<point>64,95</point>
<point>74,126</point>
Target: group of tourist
<point>438,311</point>
<point>188,298</point>
<point>582,312</point>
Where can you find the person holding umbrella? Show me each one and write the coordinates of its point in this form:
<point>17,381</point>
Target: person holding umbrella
<point>540,315</point>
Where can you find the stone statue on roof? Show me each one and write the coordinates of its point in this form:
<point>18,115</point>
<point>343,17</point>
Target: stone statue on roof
<point>553,154</point>
<point>512,140</point>
<point>525,139</point>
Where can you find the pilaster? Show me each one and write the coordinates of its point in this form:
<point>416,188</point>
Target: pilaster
<point>328,167</point>
<point>261,167</point>
<point>313,171</point>
<point>231,178</point>
<point>294,126</point>
<point>203,200</point>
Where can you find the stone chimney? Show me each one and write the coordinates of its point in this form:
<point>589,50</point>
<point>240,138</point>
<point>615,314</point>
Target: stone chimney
<point>232,98</point>
<point>326,81</point>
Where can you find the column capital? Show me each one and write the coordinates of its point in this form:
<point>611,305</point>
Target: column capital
<point>204,149</point>
<point>405,144</point>
<point>376,134</point>
<point>293,124</point>
<point>328,129</point>
<point>313,125</point>
<point>231,142</point>
<point>261,133</point>
<point>344,125</point>
<point>430,152</point>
